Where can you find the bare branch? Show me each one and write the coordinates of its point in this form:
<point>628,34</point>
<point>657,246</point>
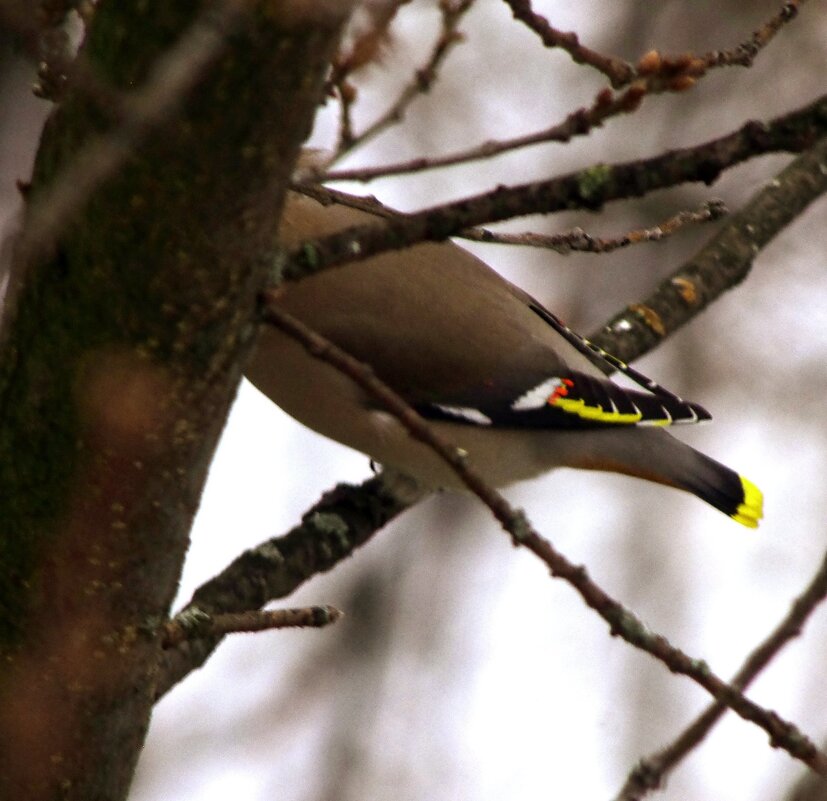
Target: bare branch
<point>655,73</point>
<point>196,624</point>
<point>590,188</point>
<point>343,520</point>
<point>326,196</point>
<point>578,123</point>
<point>618,72</point>
<point>621,621</point>
<point>452,13</point>
<point>621,73</point>
<point>578,241</point>
<point>720,264</point>
<point>651,771</point>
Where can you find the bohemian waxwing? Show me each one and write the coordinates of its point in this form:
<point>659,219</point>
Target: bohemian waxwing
<point>497,374</point>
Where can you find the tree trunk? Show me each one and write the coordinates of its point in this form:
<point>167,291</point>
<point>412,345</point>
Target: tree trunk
<point>121,357</point>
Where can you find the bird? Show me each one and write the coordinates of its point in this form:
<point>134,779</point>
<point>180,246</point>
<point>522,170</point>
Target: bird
<point>492,370</point>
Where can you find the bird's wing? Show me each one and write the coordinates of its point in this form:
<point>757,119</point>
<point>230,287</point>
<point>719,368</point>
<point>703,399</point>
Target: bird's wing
<point>459,342</point>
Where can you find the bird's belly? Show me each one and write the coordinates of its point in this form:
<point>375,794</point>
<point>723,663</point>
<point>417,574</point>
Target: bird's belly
<point>322,398</point>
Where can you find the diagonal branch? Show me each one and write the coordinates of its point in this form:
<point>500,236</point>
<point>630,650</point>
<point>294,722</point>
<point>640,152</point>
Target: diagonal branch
<point>622,622</point>
<point>618,71</point>
<point>722,263</point>
<point>744,54</point>
<point>651,771</point>
<point>343,520</point>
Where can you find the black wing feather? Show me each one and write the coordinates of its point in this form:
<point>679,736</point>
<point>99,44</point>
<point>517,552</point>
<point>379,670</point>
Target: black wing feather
<point>576,399</point>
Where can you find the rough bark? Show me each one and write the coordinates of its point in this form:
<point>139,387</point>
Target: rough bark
<point>119,363</point>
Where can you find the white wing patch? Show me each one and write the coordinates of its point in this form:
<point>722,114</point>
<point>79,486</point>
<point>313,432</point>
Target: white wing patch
<point>466,413</point>
<point>537,397</point>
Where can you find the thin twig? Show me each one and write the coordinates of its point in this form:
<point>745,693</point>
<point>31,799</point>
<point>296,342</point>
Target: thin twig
<point>651,771</point>
<point>196,624</point>
<point>618,71</point>
<point>577,240</point>
<point>621,621</point>
<point>744,54</point>
<point>452,14</point>
<point>655,73</point>
<point>327,196</point>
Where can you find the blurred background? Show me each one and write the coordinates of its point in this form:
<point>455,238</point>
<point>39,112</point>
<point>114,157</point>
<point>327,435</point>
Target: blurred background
<point>461,670</point>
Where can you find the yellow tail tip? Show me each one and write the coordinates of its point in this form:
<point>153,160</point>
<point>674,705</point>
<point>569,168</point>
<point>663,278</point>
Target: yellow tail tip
<point>751,509</point>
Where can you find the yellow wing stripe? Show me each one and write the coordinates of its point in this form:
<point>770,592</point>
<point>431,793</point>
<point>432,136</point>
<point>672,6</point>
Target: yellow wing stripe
<point>580,408</point>
<point>751,509</point>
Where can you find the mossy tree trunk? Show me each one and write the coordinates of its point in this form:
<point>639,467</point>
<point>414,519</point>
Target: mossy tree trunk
<point>120,360</point>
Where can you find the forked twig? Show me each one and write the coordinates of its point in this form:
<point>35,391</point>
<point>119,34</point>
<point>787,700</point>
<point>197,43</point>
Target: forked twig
<point>651,771</point>
<point>452,12</point>
<point>655,73</point>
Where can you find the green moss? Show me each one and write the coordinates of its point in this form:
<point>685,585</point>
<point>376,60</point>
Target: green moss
<point>592,181</point>
<point>310,255</point>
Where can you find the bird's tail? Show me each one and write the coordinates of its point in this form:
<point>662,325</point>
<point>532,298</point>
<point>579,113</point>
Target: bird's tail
<point>655,455</point>
<point>724,489</point>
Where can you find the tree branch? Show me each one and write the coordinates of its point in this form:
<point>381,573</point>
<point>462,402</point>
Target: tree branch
<point>651,771</point>
<point>654,74</point>
<point>578,241</point>
<point>622,622</point>
<point>343,520</point>
<point>590,189</point>
<point>722,263</point>
<point>618,72</point>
